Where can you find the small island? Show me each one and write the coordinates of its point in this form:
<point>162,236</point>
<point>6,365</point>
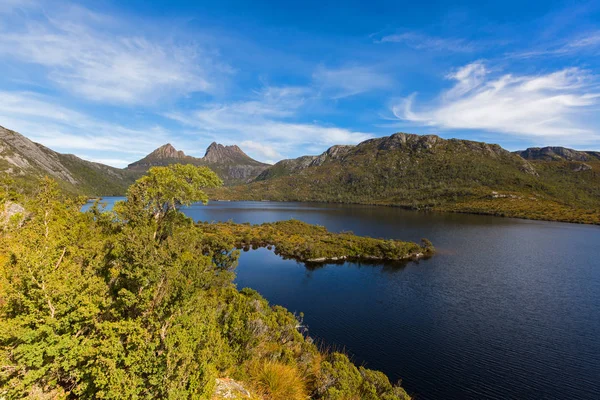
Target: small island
<point>314,244</point>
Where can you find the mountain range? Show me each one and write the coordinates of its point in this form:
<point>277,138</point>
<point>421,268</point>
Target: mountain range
<point>428,172</point>
<point>229,162</point>
<point>406,170</point>
<point>25,160</point>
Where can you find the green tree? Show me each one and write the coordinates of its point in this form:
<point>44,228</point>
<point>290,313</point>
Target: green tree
<point>162,190</point>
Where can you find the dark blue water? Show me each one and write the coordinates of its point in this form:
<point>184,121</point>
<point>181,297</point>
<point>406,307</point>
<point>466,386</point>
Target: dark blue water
<point>507,309</point>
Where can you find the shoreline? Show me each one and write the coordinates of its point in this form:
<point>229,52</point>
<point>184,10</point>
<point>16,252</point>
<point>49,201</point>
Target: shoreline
<point>421,209</point>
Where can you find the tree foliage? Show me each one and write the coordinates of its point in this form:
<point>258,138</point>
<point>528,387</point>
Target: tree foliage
<point>98,305</point>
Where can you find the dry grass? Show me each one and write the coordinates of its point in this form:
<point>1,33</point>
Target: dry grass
<point>278,381</point>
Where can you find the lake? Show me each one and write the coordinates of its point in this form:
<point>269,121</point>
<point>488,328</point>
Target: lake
<point>507,308</point>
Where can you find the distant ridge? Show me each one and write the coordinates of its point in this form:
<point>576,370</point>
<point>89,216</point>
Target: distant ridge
<point>558,154</point>
<point>406,170</point>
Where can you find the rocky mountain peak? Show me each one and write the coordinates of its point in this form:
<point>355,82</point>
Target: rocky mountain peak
<point>408,140</point>
<point>167,151</point>
<point>229,162</point>
<point>217,153</point>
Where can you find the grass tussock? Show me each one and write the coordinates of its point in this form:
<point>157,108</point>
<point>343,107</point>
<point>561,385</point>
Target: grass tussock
<point>278,381</point>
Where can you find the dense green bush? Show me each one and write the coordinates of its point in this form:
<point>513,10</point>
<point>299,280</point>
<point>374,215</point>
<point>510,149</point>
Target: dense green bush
<point>311,243</point>
<point>139,303</point>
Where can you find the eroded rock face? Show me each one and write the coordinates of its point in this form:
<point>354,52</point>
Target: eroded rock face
<point>9,210</point>
<point>164,155</point>
<point>29,161</point>
<point>24,154</point>
<point>227,388</point>
<point>558,154</point>
<point>167,151</point>
<point>218,154</point>
<point>229,162</point>
<point>414,142</point>
<point>528,168</point>
<point>333,153</point>
<point>581,167</point>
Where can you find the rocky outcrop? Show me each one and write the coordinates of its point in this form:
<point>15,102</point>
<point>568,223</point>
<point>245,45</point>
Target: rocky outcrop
<point>226,388</point>
<point>8,210</point>
<point>164,155</point>
<point>558,154</point>
<point>166,151</point>
<point>408,141</point>
<point>27,161</point>
<point>579,167</point>
<point>333,153</point>
<point>26,156</point>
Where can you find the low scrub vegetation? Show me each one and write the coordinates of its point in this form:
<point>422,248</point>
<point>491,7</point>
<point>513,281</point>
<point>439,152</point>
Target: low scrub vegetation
<point>311,243</point>
<point>139,303</point>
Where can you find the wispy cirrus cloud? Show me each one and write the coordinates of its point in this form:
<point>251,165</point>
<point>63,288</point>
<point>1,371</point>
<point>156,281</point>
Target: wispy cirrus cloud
<point>553,106</point>
<point>11,5</point>
<point>272,118</point>
<point>265,151</point>
<point>420,41</point>
<point>348,81</point>
<point>84,53</point>
<point>588,41</point>
<point>42,120</point>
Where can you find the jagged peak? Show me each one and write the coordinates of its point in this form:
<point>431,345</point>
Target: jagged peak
<point>218,153</point>
<point>167,151</point>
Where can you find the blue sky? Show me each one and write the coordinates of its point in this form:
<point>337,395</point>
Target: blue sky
<point>110,81</point>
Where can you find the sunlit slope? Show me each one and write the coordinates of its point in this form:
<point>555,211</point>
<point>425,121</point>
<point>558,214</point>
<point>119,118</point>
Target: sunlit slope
<point>428,172</point>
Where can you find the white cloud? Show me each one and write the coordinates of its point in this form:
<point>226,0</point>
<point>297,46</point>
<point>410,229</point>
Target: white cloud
<point>590,39</point>
<point>264,151</point>
<point>115,162</point>
<point>269,118</point>
<point>349,81</point>
<point>468,77</point>
<point>82,56</point>
<point>421,41</point>
<point>570,46</point>
<point>551,106</point>
<point>62,129</point>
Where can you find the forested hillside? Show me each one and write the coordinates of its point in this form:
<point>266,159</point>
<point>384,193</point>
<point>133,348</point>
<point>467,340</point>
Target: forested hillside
<point>428,172</point>
<point>139,303</point>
